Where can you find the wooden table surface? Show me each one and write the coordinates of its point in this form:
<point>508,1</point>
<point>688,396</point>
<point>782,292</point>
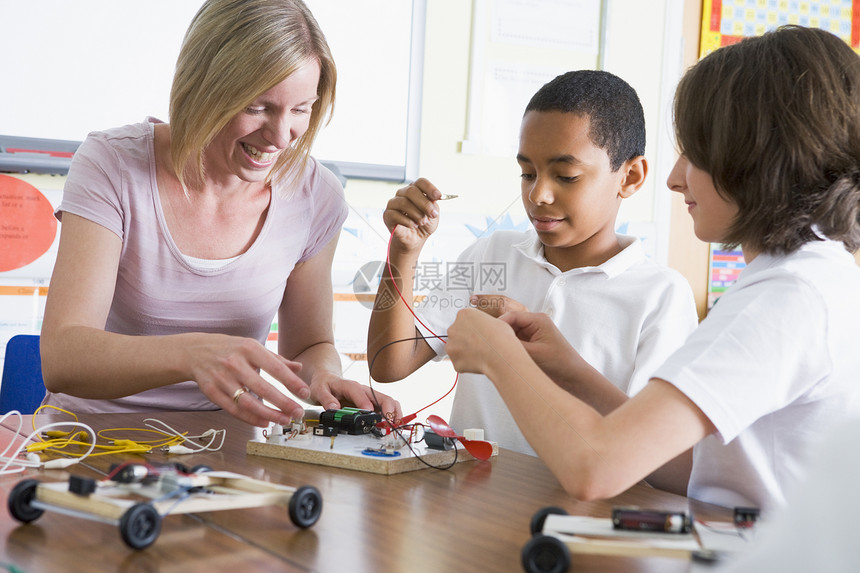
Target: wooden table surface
<point>472,517</point>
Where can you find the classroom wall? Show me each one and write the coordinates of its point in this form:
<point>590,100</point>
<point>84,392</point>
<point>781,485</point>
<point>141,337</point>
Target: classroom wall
<point>643,46</point>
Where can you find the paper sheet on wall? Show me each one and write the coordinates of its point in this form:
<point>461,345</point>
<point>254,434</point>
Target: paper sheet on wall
<point>557,24</point>
<point>563,34</point>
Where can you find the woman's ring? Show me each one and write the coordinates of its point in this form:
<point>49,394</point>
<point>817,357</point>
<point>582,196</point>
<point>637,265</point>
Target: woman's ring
<point>238,393</point>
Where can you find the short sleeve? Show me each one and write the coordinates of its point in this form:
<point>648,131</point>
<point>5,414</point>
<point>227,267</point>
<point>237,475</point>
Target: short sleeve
<point>752,355</point>
<point>94,185</point>
<point>666,328</point>
<point>329,210</point>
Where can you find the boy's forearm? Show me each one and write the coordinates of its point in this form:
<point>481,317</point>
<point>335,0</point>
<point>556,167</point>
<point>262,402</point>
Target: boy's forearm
<point>589,385</point>
<point>561,430</point>
<point>595,456</point>
<point>391,320</point>
<point>674,476</point>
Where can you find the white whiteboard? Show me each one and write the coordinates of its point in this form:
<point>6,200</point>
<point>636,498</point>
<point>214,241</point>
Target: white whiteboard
<point>517,47</point>
<point>74,67</point>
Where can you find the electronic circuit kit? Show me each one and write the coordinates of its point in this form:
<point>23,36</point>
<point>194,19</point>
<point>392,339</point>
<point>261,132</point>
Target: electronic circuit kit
<point>365,440</point>
<point>362,440</point>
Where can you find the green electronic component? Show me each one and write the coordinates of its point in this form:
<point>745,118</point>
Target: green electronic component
<point>350,420</point>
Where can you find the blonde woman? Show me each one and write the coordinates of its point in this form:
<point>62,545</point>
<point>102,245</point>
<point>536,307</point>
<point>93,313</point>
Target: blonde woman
<point>181,241</point>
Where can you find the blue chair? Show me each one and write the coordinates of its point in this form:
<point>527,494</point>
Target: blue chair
<point>22,387</point>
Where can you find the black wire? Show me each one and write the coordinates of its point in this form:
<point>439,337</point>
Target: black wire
<point>376,405</point>
<point>391,425</point>
<point>422,460</point>
<point>736,532</point>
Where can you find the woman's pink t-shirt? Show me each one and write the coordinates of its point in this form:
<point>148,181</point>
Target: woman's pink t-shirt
<point>112,182</point>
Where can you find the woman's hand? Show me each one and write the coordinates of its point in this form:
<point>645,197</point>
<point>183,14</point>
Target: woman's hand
<point>226,368</point>
<point>413,215</point>
<point>333,392</point>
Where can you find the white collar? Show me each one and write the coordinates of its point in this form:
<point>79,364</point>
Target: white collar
<point>631,253</point>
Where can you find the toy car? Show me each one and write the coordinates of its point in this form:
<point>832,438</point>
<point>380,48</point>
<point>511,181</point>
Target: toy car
<point>137,496</point>
<point>556,535</point>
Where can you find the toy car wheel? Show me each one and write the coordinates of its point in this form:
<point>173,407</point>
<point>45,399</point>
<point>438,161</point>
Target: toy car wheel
<point>140,525</point>
<point>538,519</point>
<point>180,467</point>
<point>199,469</point>
<point>545,554</point>
<point>305,506</point>
<point>20,501</point>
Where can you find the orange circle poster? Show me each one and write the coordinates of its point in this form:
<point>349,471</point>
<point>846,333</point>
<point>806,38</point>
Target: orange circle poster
<point>27,223</point>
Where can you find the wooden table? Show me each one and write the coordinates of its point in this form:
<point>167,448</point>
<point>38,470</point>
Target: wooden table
<point>472,517</point>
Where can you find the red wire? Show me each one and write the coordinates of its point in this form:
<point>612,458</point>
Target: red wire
<point>409,418</point>
<point>400,294</point>
<point>121,466</point>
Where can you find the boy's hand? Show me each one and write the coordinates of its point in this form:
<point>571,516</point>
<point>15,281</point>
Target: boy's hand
<point>477,339</point>
<point>544,342</point>
<point>496,304</point>
<point>415,214</point>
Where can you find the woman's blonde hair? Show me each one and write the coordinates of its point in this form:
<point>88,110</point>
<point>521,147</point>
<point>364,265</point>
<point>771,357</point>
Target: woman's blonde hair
<point>233,51</point>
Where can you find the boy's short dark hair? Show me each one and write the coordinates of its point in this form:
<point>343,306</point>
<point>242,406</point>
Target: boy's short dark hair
<point>617,122</point>
<point>775,120</point>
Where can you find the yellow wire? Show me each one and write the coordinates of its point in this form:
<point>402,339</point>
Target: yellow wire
<point>59,441</point>
<point>59,446</point>
<point>33,418</point>
<point>168,439</point>
<point>104,449</point>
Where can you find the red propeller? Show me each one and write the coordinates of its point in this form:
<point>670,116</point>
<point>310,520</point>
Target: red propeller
<point>478,448</point>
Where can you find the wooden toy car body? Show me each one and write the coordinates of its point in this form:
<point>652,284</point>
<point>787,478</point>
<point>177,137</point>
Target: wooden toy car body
<point>137,507</point>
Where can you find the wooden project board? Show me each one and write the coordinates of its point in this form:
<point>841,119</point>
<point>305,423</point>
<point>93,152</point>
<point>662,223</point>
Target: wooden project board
<point>347,453</point>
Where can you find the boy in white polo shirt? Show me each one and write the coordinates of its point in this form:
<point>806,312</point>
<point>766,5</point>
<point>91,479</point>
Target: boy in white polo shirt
<point>581,152</point>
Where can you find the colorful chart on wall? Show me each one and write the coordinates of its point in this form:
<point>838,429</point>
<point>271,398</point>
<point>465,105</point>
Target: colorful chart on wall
<point>723,270</point>
<point>726,22</point>
<point>27,223</point>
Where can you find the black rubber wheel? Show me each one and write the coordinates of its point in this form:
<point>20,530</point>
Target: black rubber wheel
<point>545,554</point>
<point>20,499</point>
<point>180,467</point>
<point>538,519</point>
<point>200,468</point>
<point>305,506</point>
<point>140,525</point>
